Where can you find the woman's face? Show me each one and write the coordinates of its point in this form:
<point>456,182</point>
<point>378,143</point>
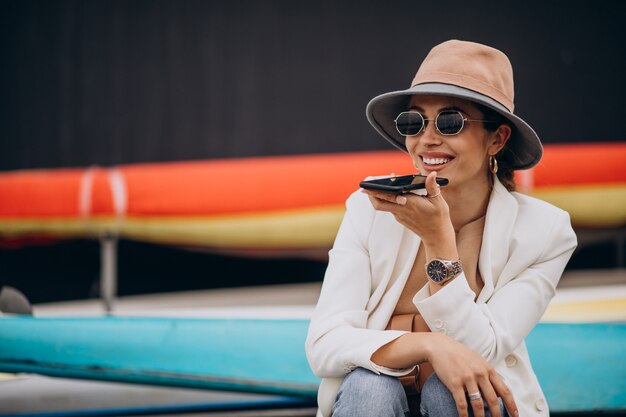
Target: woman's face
<point>461,158</point>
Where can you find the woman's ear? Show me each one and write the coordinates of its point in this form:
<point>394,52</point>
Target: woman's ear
<point>499,138</point>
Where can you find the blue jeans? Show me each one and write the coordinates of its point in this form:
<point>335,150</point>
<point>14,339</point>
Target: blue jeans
<point>365,394</point>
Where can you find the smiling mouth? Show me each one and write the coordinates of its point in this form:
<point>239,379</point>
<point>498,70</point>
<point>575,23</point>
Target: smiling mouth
<point>434,162</point>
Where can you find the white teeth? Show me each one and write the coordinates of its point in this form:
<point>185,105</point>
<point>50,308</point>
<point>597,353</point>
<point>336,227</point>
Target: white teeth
<point>436,161</point>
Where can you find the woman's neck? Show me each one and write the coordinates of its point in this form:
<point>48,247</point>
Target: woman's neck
<point>467,203</point>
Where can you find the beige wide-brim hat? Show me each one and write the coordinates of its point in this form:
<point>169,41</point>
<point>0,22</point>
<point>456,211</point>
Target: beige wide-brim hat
<point>469,71</point>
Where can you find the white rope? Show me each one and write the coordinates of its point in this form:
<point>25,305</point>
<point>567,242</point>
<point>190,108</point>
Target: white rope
<point>85,192</point>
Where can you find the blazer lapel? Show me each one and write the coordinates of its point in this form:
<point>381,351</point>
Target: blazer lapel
<point>494,252</point>
<point>392,253</point>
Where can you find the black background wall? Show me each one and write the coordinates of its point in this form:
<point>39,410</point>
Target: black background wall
<point>115,82</point>
<point>112,82</point>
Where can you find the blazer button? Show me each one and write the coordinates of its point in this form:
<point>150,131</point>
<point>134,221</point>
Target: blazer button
<point>540,404</point>
<point>438,324</point>
<point>510,361</point>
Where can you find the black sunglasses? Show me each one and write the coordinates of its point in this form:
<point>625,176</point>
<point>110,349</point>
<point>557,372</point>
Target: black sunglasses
<point>447,122</point>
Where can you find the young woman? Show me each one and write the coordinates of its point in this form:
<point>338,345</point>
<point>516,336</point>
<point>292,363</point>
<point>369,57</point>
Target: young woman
<point>441,289</point>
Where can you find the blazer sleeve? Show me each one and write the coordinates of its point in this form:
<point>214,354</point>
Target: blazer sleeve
<point>338,339</point>
<point>494,329</point>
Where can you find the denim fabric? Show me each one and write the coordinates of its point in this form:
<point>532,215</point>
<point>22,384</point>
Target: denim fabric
<point>365,394</point>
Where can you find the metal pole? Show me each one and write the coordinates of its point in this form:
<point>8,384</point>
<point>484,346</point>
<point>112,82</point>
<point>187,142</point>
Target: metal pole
<point>108,270</point>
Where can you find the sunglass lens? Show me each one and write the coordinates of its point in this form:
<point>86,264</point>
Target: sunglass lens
<point>409,123</point>
<point>449,122</point>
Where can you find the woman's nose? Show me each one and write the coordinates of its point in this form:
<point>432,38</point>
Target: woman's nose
<point>430,135</point>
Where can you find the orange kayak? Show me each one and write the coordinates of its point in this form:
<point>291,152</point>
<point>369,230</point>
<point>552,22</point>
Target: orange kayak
<point>268,202</point>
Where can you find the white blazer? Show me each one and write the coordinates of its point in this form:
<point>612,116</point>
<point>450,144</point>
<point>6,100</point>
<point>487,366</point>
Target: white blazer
<point>526,245</point>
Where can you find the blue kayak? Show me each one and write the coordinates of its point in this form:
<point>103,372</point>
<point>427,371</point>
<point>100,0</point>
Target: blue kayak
<point>581,367</point>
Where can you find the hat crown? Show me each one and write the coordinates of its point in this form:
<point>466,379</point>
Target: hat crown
<point>470,65</point>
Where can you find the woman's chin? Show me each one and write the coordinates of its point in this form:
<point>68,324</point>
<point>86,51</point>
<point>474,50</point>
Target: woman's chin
<point>426,169</point>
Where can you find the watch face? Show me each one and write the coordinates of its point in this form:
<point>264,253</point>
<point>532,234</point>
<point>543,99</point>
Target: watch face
<point>437,271</point>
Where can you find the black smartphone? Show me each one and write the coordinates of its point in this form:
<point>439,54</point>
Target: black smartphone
<point>399,185</point>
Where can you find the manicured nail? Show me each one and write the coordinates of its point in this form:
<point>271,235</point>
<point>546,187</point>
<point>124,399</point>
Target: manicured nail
<point>401,200</point>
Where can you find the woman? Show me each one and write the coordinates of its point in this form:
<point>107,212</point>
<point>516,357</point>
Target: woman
<point>472,264</point>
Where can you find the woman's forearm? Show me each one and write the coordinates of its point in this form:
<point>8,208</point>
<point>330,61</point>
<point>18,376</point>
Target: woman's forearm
<point>404,352</point>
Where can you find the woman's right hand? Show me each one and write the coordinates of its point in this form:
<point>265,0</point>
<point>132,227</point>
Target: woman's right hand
<point>464,371</point>
<point>459,368</point>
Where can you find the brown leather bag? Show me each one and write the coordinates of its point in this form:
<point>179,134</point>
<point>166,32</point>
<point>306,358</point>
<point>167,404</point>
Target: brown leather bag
<point>414,381</point>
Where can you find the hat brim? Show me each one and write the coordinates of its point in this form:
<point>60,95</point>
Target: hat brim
<point>523,150</point>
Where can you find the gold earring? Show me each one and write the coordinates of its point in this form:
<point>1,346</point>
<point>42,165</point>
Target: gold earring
<point>493,164</point>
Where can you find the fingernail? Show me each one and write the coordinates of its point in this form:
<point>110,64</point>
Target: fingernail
<point>401,200</point>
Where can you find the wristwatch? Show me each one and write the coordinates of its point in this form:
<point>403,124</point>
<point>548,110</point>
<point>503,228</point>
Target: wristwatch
<point>442,270</point>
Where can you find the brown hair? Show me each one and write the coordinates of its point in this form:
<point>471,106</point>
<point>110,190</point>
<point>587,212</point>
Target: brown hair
<point>494,120</point>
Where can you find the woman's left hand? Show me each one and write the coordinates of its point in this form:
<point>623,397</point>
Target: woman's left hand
<point>428,216</point>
